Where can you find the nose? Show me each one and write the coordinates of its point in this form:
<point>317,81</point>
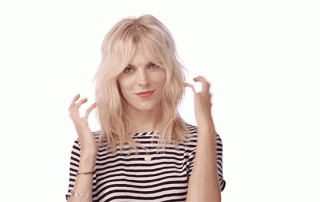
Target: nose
<point>144,78</point>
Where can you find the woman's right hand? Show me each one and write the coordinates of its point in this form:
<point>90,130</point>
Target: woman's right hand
<point>87,140</point>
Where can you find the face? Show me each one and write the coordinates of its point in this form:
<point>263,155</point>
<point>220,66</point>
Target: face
<point>142,75</point>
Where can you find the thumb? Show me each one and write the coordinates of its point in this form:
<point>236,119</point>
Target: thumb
<point>190,86</point>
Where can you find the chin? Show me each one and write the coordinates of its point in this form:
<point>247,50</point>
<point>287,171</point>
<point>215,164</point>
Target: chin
<point>145,107</point>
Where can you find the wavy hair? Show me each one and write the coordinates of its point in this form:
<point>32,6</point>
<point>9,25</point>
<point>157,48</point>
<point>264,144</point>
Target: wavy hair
<point>118,49</point>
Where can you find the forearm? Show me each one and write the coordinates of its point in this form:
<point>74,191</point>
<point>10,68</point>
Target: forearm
<point>205,184</point>
<point>83,184</point>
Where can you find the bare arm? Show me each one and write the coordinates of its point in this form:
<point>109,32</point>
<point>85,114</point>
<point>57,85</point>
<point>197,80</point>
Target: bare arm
<point>83,184</point>
<point>203,183</point>
<point>89,149</point>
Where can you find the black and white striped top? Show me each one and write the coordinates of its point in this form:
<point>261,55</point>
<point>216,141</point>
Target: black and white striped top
<point>130,178</point>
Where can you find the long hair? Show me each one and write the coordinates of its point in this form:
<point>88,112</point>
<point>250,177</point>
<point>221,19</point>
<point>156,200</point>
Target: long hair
<point>118,49</point>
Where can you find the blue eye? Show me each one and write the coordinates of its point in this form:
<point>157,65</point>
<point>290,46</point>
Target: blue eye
<point>127,68</point>
<point>153,65</point>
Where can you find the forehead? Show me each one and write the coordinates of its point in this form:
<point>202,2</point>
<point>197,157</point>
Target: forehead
<point>142,56</point>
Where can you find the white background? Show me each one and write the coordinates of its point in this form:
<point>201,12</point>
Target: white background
<point>261,58</point>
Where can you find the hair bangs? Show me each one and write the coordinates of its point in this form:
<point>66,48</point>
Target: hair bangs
<point>154,48</point>
<point>125,52</point>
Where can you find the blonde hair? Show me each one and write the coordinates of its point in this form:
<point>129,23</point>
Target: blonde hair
<point>118,49</point>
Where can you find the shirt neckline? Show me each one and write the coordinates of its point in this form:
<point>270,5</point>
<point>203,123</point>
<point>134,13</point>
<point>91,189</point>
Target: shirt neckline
<point>145,133</point>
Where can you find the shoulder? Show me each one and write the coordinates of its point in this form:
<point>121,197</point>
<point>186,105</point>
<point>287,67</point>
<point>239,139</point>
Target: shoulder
<point>192,132</point>
<point>96,134</point>
<point>191,128</point>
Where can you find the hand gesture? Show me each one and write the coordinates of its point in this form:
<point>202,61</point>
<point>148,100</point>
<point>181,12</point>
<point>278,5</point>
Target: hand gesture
<point>87,140</point>
<point>202,100</point>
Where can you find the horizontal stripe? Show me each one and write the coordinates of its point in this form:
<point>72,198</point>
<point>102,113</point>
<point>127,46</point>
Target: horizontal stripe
<point>123,177</point>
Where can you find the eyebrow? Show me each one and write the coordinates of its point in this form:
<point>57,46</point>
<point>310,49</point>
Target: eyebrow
<point>130,65</point>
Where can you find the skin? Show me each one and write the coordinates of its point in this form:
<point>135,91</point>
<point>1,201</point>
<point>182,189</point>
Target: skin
<point>139,76</point>
<point>203,184</point>
<point>142,76</point>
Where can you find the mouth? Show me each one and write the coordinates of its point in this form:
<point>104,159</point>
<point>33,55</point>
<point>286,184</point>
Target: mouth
<point>145,94</point>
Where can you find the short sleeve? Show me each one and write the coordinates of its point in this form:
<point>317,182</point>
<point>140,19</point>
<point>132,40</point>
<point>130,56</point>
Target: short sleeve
<point>219,151</point>
<point>74,166</point>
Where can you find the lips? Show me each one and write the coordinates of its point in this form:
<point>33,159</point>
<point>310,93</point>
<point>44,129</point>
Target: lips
<point>144,93</point>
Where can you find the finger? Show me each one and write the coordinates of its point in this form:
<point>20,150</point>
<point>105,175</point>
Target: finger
<point>190,86</point>
<point>90,109</point>
<point>77,106</point>
<point>205,83</point>
<point>74,100</point>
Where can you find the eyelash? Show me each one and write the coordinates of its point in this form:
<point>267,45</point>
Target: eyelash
<point>132,68</point>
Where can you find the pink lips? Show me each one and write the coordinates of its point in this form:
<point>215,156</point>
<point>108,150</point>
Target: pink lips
<point>145,94</point>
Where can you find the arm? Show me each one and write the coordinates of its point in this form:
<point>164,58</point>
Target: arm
<point>83,184</point>
<point>203,183</point>
<point>88,151</point>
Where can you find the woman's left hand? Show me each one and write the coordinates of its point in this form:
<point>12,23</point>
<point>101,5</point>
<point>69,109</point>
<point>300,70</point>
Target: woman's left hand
<point>202,100</point>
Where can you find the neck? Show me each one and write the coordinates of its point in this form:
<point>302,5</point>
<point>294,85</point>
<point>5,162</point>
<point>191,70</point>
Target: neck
<point>143,121</point>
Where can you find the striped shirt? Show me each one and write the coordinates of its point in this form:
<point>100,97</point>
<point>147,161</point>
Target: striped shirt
<point>130,178</point>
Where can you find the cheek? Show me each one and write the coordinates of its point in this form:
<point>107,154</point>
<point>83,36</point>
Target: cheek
<point>126,85</point>
<point>160,79</point>
<point>162,82</point>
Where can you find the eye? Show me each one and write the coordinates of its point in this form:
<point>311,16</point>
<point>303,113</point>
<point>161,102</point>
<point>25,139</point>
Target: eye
<point>126,69</point>
<point>153,65</point>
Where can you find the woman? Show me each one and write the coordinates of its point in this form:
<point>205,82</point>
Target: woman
<point>139,85</point>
